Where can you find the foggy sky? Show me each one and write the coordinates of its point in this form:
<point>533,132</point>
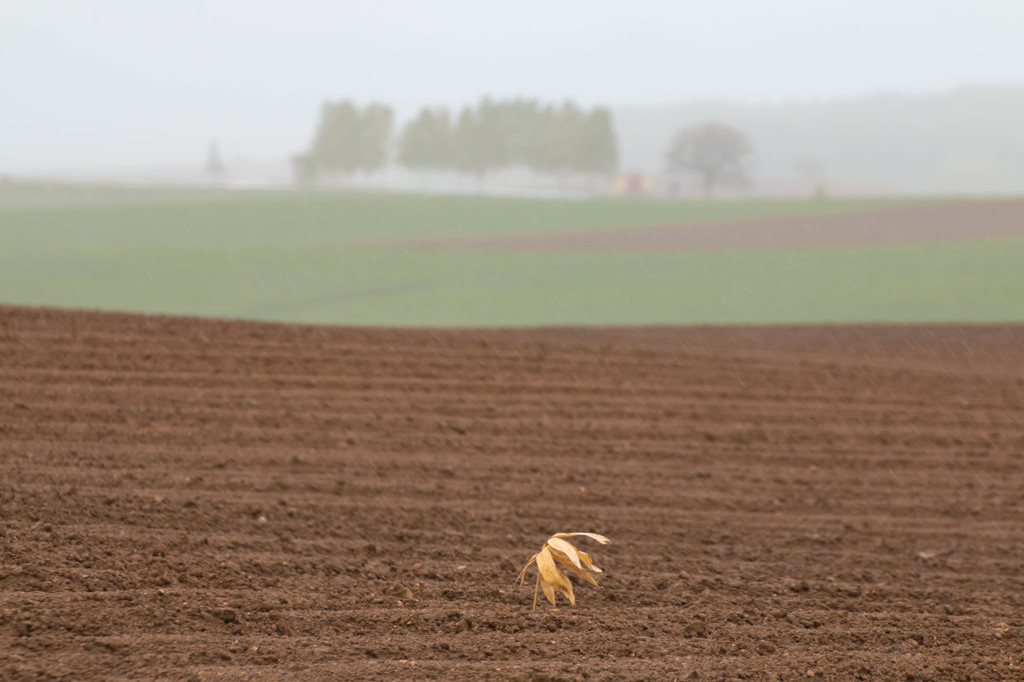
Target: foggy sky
<point>110,83</point>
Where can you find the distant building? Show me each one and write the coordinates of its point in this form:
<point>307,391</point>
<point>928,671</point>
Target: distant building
<point>633,185</point>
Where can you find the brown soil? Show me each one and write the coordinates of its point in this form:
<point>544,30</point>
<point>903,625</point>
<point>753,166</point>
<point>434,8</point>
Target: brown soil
<point>932,222</point>
<point>224,500</point>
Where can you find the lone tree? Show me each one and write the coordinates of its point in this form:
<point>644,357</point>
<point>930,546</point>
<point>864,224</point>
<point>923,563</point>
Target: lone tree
<point>717,153</point>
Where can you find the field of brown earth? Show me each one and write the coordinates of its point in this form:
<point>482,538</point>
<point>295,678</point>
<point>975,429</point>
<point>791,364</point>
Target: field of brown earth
<point>190,499</point>
<point>943,221</point>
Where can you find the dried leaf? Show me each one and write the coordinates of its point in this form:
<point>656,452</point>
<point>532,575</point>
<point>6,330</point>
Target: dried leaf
<point>549,572</point>
<point>593,536</point>
<point>565,548</point>
<point>522,574</point>
<point>568,591</point>
<point>585,558</point>
<point>549,592</point>
<point>578,572</point>
<point>550,576</point>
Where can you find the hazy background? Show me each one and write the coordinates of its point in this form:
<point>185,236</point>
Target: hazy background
<point>875,93</point>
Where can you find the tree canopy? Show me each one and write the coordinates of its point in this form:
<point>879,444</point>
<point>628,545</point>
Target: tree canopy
<point>519,132</point>
<point>489,136</point>
<point>426,142</point>
<point>718,154</point>
<point>347,140</point>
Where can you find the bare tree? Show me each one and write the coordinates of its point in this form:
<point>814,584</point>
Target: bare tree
<point>717,153</point>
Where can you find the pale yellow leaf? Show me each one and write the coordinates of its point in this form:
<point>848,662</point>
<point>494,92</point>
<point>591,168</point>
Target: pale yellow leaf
<point>593,536</point>
<point>565,548</point>
<point>585,558</point>
<point>578,572</point>
<point>567,591</point>
<point>550,575</point>
<point>548,592</point>
<point>522,574</point>
<point>549,572</point>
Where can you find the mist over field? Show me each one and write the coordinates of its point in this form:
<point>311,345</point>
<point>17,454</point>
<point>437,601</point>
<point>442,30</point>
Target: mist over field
<point>547,163</point>
<point>837,96</point>
<point>963,141</point>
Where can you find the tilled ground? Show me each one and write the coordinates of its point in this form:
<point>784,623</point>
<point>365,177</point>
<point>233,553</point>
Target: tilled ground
<point>223,500</point>
<point>944,221</point>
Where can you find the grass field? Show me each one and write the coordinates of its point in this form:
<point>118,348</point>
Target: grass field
<point>312,258</point>
<point>120,218</point>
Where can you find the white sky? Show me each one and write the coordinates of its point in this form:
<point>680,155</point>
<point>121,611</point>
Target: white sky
<point>104,83</point>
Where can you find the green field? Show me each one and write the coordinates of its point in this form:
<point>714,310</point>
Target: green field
<point>320,257</point>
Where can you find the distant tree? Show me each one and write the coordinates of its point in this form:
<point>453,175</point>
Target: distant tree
<point>552,144</point>
<point>518,120</point>
<point>474,147</point>
<point>569,124</point>
<point>555,140</point>
<point>347,140</point>
<point>492,135</point>
<point>214,164</point>
<point>376,124</point>
<point>717,153</point>
<point>568,139</point>
<point>426,142</point>
<point>336,144</point>
<point>597,149</point>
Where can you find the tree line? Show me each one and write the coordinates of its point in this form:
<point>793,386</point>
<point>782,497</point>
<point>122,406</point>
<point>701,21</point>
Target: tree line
<point>557,140</point>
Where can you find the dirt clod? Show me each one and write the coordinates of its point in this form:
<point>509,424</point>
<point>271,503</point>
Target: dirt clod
<point>226,615</point>
<point>398,590</point>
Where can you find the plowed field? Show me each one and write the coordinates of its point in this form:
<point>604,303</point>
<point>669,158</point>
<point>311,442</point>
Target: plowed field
<point>955,221</point>
<point>224,500</point>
